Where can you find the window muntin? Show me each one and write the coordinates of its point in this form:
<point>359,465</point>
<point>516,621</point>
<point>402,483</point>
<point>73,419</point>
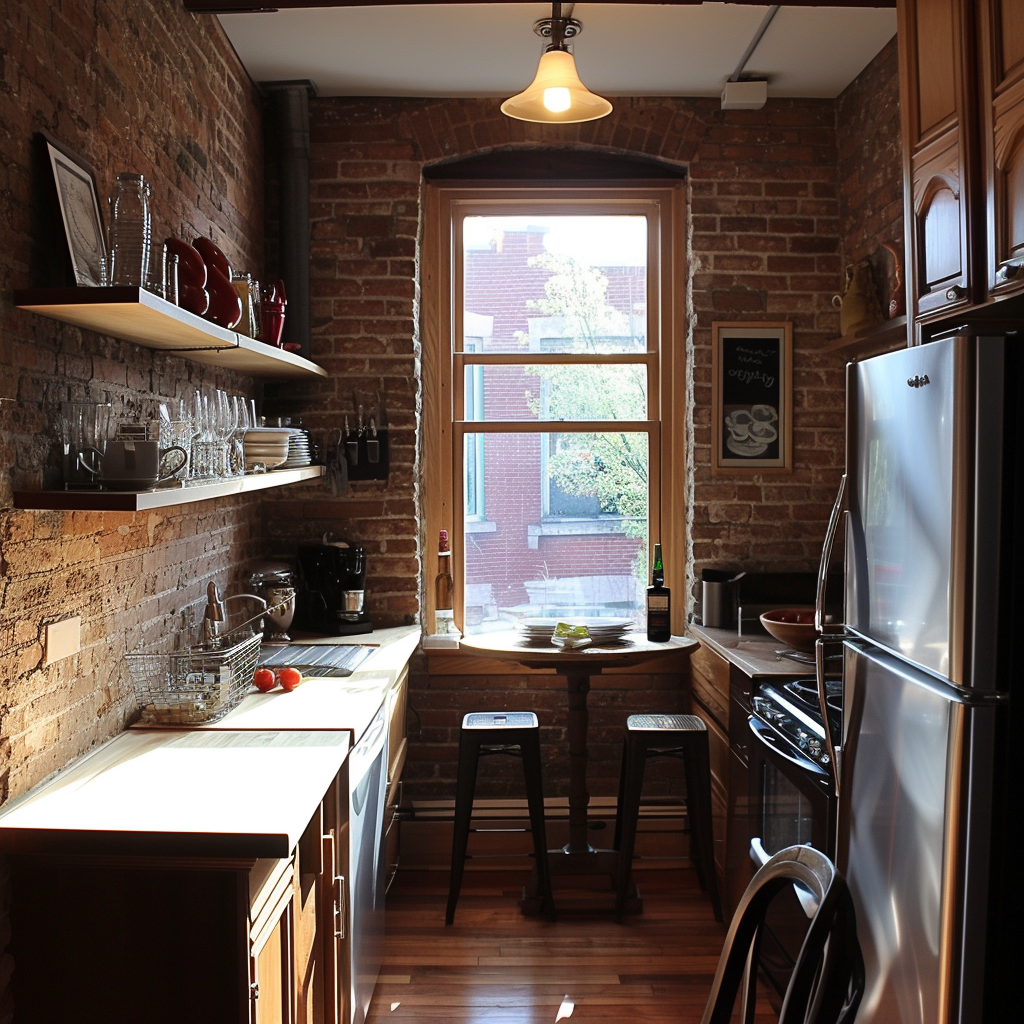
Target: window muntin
<point>555,391</point>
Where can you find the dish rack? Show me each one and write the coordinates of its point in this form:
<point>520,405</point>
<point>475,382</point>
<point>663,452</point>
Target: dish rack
<point>179,680</point>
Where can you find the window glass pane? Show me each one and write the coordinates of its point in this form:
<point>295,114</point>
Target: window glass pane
<point>553,392</point>
<point>564,532</point>
<point>555,284</point>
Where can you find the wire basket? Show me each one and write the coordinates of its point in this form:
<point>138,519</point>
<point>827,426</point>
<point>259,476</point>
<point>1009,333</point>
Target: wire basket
<point>179,681</point>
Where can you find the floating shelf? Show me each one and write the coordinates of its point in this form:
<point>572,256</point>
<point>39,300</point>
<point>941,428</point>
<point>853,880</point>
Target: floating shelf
<point>884,338</point>
<point>137,501</point>
<point>137,315</point>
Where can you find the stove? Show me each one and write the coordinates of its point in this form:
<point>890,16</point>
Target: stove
<point>792,712</point>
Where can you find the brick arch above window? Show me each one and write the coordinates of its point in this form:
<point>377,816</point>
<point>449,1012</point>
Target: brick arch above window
<point>553,163</point>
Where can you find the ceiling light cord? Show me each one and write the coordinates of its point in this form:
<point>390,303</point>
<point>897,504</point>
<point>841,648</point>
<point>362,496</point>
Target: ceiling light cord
<point>765,22</point>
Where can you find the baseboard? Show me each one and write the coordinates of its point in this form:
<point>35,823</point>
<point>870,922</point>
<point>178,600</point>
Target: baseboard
<point>502,842</point>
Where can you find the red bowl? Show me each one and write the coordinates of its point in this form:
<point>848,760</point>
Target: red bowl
<point>793,626</point>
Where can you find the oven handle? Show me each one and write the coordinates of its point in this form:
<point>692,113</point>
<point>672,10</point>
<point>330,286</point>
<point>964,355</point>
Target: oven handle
<point>763,733</point>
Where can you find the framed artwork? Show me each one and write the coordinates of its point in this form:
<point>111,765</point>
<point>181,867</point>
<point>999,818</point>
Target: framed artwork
<point>80,211</point>
<point>752,398</point>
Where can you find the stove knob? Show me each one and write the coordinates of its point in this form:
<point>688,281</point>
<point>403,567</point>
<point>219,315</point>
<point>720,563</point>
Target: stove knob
<point>802,739</point>
<point>814,746</point>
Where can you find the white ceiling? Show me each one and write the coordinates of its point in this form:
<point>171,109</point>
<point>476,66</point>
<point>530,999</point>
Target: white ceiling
<point>623,50</point>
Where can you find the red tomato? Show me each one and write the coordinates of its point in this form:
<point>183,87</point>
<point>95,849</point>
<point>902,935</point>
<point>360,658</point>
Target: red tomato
<point>290,678</point>
<point>264,680</point>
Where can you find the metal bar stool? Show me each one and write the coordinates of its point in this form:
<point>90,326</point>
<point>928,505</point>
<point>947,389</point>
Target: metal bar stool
<point>684,737</point>
<point>516,733</point>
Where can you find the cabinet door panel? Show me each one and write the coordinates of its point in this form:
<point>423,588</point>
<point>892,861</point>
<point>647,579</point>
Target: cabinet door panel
<point>718,751</point>
<point>1010,25</point>
<point>934,65</point>
<point>1003,102</point>
<point>941,256</point>
<point>939,224</point>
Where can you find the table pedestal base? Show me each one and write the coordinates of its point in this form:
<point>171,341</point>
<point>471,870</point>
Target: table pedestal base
<point>562,863</point>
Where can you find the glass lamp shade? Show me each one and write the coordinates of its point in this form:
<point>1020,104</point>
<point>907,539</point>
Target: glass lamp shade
<point>556,95</point>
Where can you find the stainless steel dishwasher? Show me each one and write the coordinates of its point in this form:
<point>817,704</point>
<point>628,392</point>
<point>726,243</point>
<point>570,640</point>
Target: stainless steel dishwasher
<point>367,867</point>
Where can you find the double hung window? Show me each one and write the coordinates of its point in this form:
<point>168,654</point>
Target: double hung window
<point>550,324</point>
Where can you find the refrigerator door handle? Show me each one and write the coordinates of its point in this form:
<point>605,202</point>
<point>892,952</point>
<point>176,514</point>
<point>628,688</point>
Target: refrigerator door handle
<point>826,557</point>
<point>828,632</point>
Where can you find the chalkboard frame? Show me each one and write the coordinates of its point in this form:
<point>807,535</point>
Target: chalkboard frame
<point>746,445</point>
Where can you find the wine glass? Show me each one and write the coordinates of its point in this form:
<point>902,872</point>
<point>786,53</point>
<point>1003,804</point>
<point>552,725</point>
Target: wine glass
<point>223,423</point>
<point>242,424</point>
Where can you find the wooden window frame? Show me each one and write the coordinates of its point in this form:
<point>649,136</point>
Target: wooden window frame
<point>445,203</point>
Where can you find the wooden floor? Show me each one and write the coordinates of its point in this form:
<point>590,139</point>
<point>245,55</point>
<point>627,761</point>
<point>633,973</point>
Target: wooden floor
<point>494,966</point>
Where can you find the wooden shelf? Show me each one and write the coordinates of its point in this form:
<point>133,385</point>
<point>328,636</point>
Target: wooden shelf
<point>145,319</point>
<point>884,338</point>
<point>136,501</point>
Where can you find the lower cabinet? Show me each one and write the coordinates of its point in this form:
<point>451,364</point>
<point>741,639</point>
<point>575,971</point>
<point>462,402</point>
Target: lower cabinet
<point>98,940</point>
<point>721,697</point>
<point>709,675</point>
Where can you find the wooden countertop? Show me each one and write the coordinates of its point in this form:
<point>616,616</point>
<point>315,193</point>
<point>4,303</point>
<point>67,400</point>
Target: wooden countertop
<point>752,655</point>
<point>244,787</point>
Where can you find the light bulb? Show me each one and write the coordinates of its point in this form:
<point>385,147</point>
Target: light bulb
<point>557,99</point>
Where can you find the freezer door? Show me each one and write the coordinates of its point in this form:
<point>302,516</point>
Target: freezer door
<point>904,823</point>
<point>908,469</point>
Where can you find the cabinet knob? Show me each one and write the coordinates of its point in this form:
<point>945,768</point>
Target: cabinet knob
<point>956,292</point>
<point>254,990</point>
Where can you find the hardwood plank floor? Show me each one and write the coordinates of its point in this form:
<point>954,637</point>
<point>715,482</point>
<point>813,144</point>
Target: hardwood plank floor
<point>494,966</point>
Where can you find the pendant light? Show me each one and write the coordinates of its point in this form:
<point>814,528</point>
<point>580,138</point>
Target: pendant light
<point>556,95</point>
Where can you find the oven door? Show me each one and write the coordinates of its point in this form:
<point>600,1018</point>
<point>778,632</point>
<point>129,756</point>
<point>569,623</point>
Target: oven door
<point>793,798</point>
<point>792,804</point>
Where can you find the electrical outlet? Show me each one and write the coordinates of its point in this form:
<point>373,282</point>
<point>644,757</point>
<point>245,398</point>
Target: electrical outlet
<point>63,639</point>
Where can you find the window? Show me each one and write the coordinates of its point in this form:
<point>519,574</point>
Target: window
<point>549,370</point>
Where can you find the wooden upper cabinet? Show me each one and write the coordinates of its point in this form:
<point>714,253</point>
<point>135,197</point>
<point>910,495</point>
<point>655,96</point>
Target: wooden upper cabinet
<point>1001,34</point>
<point>937,68</point>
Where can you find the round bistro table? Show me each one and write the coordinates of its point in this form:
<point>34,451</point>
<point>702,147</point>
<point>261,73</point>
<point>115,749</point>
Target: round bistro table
<point>577,857</point>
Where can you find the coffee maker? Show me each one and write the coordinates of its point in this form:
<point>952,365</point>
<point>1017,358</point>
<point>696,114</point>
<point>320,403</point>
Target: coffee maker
<point>331,591</point>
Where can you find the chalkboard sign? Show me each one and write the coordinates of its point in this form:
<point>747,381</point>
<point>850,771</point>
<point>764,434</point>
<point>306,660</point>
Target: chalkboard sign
<point>752,366</point>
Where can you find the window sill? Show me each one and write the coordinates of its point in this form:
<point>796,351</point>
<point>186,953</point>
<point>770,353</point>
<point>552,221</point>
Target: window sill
<point>574,528</point>
<point>480,526</point>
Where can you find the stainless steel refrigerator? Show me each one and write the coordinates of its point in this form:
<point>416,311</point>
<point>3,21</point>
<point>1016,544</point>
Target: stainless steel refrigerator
<point>927,771</point>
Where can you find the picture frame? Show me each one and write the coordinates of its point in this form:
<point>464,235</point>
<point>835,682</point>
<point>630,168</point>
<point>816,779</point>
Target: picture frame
<point>752,397</point>
<point>80,212</point>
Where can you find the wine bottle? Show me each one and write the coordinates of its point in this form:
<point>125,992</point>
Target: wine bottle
<point>659,625</point>
<point>444,589</point>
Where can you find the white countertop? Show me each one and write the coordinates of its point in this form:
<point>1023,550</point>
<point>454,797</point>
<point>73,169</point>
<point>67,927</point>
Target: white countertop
<point>346,702</point>
<point>752,655</point>
<point>181,793</point>
<point>243,787</point>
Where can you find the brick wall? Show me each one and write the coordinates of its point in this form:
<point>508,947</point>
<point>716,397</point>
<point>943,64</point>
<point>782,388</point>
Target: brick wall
<point>870,172</point>
<point>770,230</point>
<point>130,85</point>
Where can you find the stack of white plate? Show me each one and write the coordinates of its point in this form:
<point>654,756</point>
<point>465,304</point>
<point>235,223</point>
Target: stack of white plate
<point>266,446</point>
<point>298,450</point>
<point>601,630</point>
